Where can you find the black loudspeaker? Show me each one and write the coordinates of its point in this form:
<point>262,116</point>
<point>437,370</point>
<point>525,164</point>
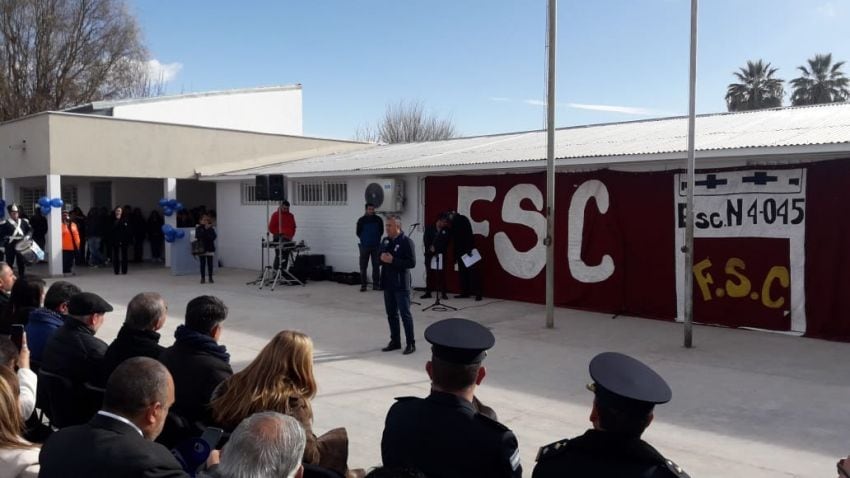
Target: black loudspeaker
<point>277,187</point>
<point>261,188</point>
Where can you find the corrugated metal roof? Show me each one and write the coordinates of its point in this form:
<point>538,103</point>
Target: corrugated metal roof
<point>593,144</point>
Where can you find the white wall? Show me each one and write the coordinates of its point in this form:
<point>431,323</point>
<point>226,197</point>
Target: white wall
<point>327,230</point>
<point>273,111</point>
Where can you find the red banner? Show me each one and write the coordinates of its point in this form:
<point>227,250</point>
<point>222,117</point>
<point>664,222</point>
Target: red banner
<point>614,237</point>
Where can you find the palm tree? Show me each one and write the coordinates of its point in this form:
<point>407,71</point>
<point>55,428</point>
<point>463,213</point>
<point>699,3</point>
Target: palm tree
<point>821,82</point>
<point>757,88</point>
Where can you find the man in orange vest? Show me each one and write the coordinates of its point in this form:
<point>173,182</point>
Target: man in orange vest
<point>70,243</point>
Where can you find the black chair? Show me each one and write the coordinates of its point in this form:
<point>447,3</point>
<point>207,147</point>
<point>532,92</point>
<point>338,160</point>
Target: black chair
<point>94,396</point>
<point>67,404</point>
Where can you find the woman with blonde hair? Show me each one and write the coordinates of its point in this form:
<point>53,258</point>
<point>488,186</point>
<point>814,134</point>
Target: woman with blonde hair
<point>280,379</point>
<point>18,457</point>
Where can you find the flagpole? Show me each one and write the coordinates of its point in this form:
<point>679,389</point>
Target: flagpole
<point>549,242</point>
<point>689,225</point>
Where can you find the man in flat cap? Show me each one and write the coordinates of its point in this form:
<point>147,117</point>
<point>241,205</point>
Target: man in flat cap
<point>626,392</point>
<point>444,435</point>
<point>74,353</point>
<point>11,232</point>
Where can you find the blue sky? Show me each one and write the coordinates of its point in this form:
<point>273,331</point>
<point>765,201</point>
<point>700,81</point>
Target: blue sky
<point>482,63</point>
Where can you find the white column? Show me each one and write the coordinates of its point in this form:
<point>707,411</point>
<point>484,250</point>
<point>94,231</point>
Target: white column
<point>4,187</point>
<point>169,191</point>
<point>54,227</point>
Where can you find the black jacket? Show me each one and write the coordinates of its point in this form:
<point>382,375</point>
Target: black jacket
<point>598,454</point>
<point>74,352</point>
<point>197,369</point>
<point>130,343</point>
<point>437,238</point>
<point>105,447</point>
<point>444,437</point>
<point>207,237</point>
<point>121,232</point>
<point>7,229</point>
<point>462,235</point>
<point>396,275</point>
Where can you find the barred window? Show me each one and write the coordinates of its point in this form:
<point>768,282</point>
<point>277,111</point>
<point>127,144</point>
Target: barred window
<point>249,195</point>
<point>321,193</point>
<point>29,197</point>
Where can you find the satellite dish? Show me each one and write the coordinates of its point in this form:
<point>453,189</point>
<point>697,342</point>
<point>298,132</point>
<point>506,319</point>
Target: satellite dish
<point>375,194</point>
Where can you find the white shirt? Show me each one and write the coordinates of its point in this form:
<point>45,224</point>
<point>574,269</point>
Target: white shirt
<point>121,419</point>
<point>29,383</point>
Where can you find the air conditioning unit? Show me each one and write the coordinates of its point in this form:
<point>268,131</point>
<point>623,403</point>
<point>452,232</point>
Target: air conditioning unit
<point>387,194</point>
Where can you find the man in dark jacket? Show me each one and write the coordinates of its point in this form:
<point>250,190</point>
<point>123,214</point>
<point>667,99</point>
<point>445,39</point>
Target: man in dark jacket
<point>444,435</point>
<point>7,280</point>
<point>118,440</point>
<point>397,258</point>
<point>74,353</point>
<point>197,361</point>
<point>12,231</point>
<point>626,392</point>
<point>464,243</point>
<point>436,242</point>
<point>45,321</point>
<point>369,229</point>
<point>138,337</point>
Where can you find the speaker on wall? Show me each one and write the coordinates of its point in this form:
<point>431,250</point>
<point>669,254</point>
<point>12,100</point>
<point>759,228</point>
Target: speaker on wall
<point>277,187</point>
<point>261,188</point>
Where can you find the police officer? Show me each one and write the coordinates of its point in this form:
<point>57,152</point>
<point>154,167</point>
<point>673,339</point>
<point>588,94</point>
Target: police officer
<point>443,435</point>
<point>626,391</point>
<point>11,233</point>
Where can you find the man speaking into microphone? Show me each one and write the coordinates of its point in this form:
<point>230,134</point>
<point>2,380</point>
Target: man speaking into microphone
<point>397,258</point>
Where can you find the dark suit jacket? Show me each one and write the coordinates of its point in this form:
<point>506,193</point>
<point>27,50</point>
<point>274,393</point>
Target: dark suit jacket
<point>105,447</point>
<point>129,343</point>
<point>444,437</point>
<point>396,274</point>
<point>196,374</point>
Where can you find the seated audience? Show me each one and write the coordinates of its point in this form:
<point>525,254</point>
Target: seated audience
<point>395,472</point>
<point>281,379</point>
<point>264,445</point>
<point>76,354</point>
<point>138,337</point>
<point>44,321</point>
<point>13,360</point>
<point>27,295</point>
<point>7,280</point>
<point>118,440</point>
<point>625,394</point>
<point>197,362</point>
<point>18,457</point>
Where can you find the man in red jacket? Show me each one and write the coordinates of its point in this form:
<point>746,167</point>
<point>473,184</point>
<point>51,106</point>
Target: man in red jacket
<point>282,227</point>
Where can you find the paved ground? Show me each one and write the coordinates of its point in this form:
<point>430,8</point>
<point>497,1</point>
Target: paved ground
<point>745,404</point>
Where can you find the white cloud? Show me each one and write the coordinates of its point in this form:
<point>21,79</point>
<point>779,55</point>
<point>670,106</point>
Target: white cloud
<point>628,110</point>
<point>535,102</point>
<point>827,10</point>
<point>164,71</point>
<point>499,98</point>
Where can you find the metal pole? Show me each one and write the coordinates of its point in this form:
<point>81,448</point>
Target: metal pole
<point>689,225</point>
<point>549,242</point>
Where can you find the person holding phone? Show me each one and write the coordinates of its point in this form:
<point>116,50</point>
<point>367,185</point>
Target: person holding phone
<point>27,379</point>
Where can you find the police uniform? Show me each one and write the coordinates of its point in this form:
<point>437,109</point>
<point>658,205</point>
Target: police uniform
<point>443,435</point>
<point>626,384</point>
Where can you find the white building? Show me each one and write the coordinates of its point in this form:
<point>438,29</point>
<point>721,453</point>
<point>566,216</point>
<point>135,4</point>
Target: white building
<point>768,158</point>
<point>138,151</point>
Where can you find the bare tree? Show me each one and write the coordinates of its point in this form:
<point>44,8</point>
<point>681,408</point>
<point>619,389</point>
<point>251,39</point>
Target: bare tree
<point>59,53</point>
<point>407,122</point>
